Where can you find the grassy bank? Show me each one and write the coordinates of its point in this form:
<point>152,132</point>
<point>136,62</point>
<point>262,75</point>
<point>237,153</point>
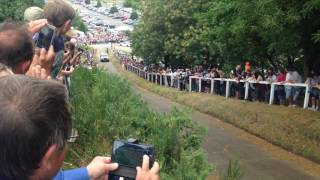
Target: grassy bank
<point>105,108</point>
<point>294,129</point>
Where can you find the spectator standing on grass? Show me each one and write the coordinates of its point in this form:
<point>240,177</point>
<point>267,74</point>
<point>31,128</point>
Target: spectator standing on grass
<point>270,78</point>
<point>60,14</point>
<point>41,131</point>
<point>292,92</point>
<point>279,89</point>
<point>313,82</point>
<point>237,75</point>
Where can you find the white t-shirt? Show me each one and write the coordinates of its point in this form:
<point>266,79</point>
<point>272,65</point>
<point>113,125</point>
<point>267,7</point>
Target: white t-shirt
<point>272,78</point>
<point>293,76</point>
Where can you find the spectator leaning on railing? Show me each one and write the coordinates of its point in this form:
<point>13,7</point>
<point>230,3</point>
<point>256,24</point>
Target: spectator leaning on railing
<point>313,82</point>
<point>292,77</point>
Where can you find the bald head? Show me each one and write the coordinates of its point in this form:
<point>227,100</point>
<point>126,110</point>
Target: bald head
<point>16,44</point>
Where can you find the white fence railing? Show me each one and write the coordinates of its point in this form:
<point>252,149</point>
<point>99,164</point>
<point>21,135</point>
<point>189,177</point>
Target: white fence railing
<point>172,81</point>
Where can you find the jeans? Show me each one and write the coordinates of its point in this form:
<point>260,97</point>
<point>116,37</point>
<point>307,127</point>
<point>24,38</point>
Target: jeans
<point>290,90</point>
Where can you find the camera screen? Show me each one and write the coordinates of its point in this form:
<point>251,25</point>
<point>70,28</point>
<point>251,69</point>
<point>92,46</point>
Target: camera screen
<point>130,155</point>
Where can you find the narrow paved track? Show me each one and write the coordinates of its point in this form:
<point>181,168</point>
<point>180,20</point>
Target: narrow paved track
<point>258,159</point>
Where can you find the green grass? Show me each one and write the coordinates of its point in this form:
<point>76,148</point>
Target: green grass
<point>233,172</point>
<point>105,109</point>
<point>294,129</point>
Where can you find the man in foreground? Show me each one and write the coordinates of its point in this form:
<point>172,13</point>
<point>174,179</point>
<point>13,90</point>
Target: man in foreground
<point>35,124</point>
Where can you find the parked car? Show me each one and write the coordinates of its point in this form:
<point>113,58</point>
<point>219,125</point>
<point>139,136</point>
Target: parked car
<point>125,44</point>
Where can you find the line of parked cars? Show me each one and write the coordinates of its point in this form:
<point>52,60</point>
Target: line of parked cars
<point>123,14</point>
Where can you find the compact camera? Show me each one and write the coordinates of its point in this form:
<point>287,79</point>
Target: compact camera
<point>129,155</point>
<point>45,37</point>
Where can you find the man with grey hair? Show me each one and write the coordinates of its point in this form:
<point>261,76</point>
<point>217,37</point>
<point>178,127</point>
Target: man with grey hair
<point>33,13</point>
<point>35,123</point>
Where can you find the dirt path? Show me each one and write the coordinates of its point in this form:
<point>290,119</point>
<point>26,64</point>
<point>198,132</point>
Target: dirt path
<point>258,159</point>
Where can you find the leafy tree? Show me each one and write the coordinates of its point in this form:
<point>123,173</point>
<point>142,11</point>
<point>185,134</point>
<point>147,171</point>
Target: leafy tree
<point>113,10</point>
<point>134,15</point>
<point>128,3</point>
<point>79,24</point>
<point>13,9</point>
<point>268,33</point>
<point>135,4</point>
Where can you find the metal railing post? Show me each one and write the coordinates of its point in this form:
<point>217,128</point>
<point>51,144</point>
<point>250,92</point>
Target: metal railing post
<point>212,86</point>
<point>306,97</point>
<point>190,84</point>
<point>272,89</point>
<point>199,85</point>
<point>246,94</point>
<point>228,89</point>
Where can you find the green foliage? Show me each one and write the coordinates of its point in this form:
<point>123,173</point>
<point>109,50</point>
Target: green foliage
<point>99,3</point>
<point>79,24</point>
<point>267,33</point>
<point>234,172</point>
<point>13,9</point>
<point>114,9</point>
<point>134,15</point>
<point>135,4</point>
<point>105,108</point>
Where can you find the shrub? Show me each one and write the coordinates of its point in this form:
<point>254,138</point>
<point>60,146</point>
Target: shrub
<point>113,10</point>
<point>105,108</point>
<point>134,15</point>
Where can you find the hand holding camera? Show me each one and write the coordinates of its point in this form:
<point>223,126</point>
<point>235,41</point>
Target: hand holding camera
<point>135,160</point>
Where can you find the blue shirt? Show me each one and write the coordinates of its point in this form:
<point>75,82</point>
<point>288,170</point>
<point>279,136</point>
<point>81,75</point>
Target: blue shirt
<point>73,174</point>
<point>58,46</point>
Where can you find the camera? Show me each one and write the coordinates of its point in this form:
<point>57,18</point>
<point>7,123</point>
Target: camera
<point>45,37</point>
<point>129,154</point>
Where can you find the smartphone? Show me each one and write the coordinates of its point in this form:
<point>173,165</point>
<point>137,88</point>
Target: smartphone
<point>130,155</point>
<point>45,37</point>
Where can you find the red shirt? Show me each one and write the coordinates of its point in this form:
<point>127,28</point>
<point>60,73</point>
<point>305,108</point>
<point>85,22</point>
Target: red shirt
<point>282,77</point>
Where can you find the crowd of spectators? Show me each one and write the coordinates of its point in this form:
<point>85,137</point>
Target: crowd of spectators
<point>35,120</point>
<point>259,86</point>
<point>103,37</point>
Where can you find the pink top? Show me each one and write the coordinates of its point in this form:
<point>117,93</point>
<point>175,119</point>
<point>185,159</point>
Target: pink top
<point>282,77</point>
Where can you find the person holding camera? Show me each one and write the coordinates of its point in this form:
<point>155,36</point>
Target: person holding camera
<point>35,124</point>
<point>59,14</point>
<point>17,50</point>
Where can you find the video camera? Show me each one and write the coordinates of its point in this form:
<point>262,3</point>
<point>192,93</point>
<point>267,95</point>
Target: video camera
<point>129,155</point>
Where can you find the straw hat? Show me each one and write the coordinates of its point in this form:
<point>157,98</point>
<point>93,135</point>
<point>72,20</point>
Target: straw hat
<point>33,13</point>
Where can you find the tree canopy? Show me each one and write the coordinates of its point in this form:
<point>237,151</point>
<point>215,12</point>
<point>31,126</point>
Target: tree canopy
<point>13,9</point>
<point>268,33</point>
